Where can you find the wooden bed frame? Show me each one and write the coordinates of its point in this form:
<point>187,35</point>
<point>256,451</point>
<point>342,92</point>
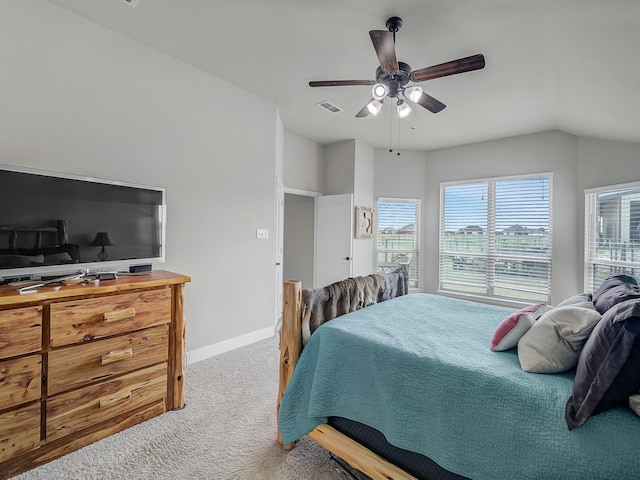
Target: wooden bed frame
<point>356,455</point>
<point>61,232</point>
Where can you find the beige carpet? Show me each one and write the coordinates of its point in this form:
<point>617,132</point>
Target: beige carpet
<point>226,431</point>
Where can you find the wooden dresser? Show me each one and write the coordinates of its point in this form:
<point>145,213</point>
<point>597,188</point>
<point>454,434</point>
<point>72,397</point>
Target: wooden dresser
<point>83,362</point>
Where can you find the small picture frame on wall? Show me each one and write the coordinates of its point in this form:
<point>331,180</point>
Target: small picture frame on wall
<point>364,222</point>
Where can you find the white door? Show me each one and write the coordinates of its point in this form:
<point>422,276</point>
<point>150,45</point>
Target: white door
<point>279,242</point>
<point>334,233</point>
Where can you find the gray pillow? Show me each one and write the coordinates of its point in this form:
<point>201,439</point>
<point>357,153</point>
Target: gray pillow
<point>607,373</point>
<point>62,257</point>
<point>577,298</point>
<point>553,344</point>
<point>615,289</point>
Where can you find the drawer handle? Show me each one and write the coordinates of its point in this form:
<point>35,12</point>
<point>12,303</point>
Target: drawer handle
<point>116,356</point>
<point>117,315</point>
<point>117,398</point>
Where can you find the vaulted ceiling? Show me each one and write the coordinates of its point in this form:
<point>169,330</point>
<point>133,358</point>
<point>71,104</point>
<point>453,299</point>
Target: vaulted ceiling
<point>571,65</point>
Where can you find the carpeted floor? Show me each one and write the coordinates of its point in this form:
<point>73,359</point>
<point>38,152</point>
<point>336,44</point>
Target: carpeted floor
<point>226,431</point>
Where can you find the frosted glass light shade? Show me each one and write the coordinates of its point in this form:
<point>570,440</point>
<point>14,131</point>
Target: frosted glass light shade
<point>379,91</point>
<point>403,109</point>
<point>414,94</point>
<point>374,107</point>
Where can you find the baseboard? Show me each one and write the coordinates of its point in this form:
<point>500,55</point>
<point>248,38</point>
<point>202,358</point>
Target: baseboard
<point>209,351</point>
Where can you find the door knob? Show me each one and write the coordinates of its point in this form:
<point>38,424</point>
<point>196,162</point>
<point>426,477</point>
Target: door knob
<point>347,258</point>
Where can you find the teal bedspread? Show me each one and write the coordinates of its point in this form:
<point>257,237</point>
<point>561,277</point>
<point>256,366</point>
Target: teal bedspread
<point>418,368</point>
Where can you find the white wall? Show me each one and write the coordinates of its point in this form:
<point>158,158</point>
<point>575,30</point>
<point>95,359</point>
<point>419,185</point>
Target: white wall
<point>78,98</point>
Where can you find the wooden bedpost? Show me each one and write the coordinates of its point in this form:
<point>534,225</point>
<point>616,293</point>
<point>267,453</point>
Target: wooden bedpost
<point>290,341</point>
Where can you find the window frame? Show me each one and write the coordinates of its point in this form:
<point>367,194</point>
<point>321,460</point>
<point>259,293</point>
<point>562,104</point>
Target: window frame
<point>491,257</point>
<point>593,227</point>
<point>414,268</point>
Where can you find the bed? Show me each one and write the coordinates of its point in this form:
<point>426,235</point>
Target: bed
<point>409,388</point>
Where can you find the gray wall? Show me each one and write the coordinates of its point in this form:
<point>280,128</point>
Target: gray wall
<point>299,239</point>
<point>303,173</point>
<point>363,248</point>
<point>403,176</point>
<point>78,98</point>
<point>554,152</point>
<point>576,163</point>
<point>304,164</point>
<point>81,99</point>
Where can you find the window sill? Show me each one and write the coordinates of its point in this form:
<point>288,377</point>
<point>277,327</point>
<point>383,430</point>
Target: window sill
<point>502,302</point>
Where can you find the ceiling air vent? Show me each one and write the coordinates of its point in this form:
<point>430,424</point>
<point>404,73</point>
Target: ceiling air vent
<point>330,107</point>
<point>131,3</point>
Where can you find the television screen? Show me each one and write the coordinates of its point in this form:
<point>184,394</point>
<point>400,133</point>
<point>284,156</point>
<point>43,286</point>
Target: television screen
<point>54,223</point>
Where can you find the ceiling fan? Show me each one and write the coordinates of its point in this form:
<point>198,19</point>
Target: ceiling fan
<point>393,76</point>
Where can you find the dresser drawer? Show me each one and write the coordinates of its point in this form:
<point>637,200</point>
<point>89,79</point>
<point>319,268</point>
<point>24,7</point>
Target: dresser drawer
<point>20,380</point>
<point>82,320</point>
<point>76,410</point>
<point>20,331</point>
<point>79,365</point>
<point>19,431</point>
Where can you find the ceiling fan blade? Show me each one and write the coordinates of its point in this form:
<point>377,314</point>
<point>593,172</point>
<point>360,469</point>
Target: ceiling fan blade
<point>364,111</point>
<point>430,103</point>
<point>340,83</point>
<point>466,64</point>
<point>385,47</point>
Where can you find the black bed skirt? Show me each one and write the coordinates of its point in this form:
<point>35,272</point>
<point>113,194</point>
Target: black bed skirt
<point>417,465</point>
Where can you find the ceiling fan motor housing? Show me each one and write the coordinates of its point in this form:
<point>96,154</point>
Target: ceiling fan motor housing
<point>394,24</point>
<point>395,81</point>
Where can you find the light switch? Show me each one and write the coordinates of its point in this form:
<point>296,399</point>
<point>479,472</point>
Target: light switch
<point>262,233</point>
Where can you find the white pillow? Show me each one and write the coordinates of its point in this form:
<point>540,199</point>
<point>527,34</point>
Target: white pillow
<point>554,342</point>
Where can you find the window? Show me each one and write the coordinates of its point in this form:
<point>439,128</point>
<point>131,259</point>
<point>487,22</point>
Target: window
<point>398,239</point>
<point>612,233</point>
<point>495,238</point>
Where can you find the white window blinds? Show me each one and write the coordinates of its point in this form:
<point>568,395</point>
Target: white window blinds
<point>495,238</point>
<point>612,233</point>
<point>398,236</point>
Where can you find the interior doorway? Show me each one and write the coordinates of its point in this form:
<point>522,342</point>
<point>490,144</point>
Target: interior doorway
<point>299,236</point>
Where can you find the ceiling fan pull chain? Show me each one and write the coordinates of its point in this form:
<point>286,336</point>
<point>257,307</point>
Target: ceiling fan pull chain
<point>398,136</point>
<point>390,133</point>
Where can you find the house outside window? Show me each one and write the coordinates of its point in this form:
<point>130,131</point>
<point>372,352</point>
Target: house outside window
<point>398,236</point>
<point>612,233</point>
<point>495,238</point>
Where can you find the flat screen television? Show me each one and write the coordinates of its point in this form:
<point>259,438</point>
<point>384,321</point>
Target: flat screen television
<point>54,224</point>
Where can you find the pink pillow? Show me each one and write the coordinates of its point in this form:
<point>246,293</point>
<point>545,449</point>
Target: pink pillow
<point>515,326</point>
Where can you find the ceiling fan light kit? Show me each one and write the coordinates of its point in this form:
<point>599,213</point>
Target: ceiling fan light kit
<point>403,108</point>
<point>393,76</point>
<point>413,93</point>
<point>379,91</point>
<point>374,106</point>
